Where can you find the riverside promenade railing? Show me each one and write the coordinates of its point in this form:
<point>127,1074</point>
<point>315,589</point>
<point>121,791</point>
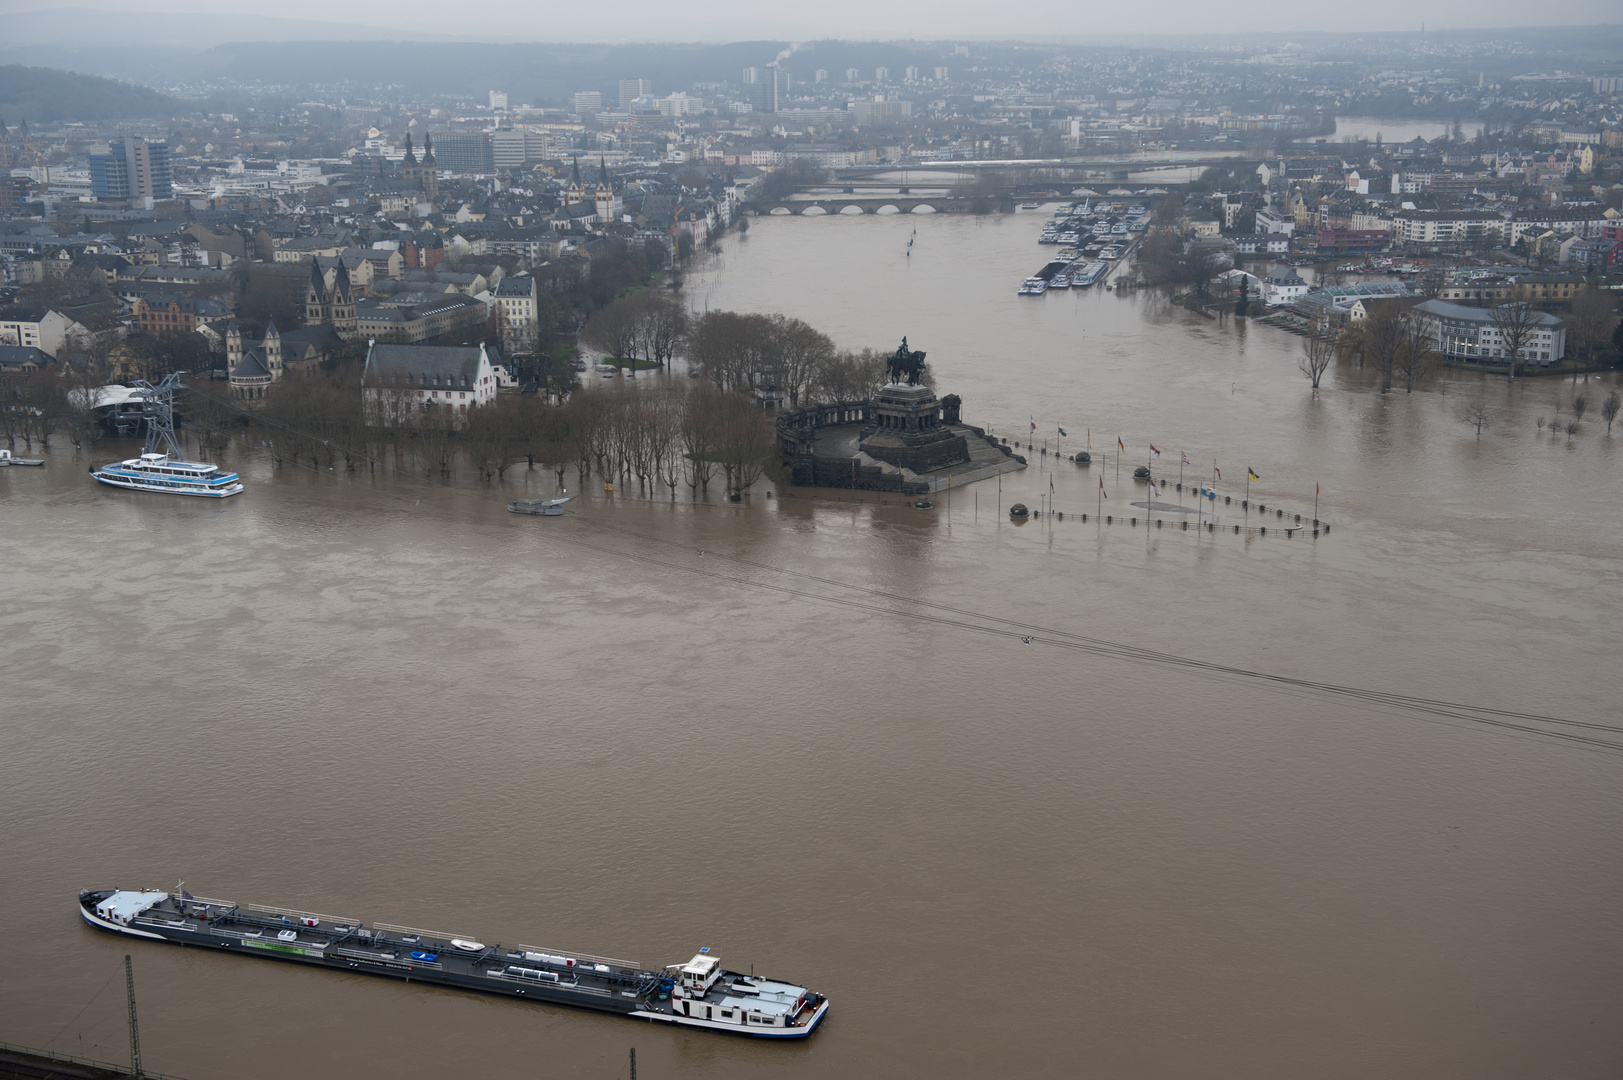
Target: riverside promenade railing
<point>26,1052</point>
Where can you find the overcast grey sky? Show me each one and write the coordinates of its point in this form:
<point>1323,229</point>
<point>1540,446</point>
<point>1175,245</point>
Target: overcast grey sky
<point>723,20</point>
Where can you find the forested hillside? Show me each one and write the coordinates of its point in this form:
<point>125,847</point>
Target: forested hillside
<point>40,94</point>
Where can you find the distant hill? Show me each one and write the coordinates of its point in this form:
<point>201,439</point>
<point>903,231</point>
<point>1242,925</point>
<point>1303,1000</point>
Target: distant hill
<point>40,94</point>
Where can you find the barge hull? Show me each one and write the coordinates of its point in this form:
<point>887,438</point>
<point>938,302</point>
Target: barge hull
<point>620,990</point>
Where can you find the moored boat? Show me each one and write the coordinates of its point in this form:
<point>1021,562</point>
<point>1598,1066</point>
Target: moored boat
<point>700,993</point>
<point>161,473</point>
<point>544,507</point>
<point>7,459</point>
<point>166,473</point>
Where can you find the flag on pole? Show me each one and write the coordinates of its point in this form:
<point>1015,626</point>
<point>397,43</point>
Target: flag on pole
<point>1315,491</point>
<point>1185,457</point>
<point>1155,492</point>
<point>1252,473</point>
<point>1154,451</point>
<point>1034,425</point>
<point>1050,487</point>
<point>1102,490</point>
<point>1218,471</point>
<point>1119,444</point>
<point>1062,430</point>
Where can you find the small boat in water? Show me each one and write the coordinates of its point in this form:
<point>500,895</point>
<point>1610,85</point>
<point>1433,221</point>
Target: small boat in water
<point>7,459</point>
<point>544,507</point>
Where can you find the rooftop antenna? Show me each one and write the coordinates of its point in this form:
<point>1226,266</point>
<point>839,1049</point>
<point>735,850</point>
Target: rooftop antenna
<point>135,1033</point>
<point>158,410</point>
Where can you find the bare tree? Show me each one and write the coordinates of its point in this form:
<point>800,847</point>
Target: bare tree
<point>727,347</point>
<point>1515,323</point>
<point>698,436</point>
<point>1415,348</point>
<point>1383,340</point>
<point>662,323</point>
<point>1580,405</point>
<point>799,353</point>
<point>1317,352</point>
<point>1609,409</point>
<point>1589,324</point>
<point>1351,344</point>
<point>850,376</point>
<point>614,330</point>
<point>1475,409</point>
<point>82,383</point>
<point>1429,282</point>
<point>1204,264</point>
<point>744,440</point>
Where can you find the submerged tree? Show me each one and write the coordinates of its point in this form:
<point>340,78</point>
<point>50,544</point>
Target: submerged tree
<point>1475,409</point>
<point>1317,351</point>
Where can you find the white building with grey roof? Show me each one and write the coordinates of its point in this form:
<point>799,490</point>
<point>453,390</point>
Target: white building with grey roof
<point>403,381</point>
<point>1470,335</point>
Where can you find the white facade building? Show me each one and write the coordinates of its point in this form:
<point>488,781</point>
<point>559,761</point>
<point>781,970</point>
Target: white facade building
<point>44,329</point>
<point>400,381</point>
<point>1468,334</point>
<point>1282,286</point>
<point>1269,222</point>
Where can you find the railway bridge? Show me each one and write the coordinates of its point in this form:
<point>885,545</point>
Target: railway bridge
<point>870,204</point>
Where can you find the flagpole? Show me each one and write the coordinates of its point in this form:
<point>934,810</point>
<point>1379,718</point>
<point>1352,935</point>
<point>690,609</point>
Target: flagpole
<point>1181,460</point>
<point>1315,507</point>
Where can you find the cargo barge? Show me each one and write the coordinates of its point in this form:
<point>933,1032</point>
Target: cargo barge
<point>699,994</point>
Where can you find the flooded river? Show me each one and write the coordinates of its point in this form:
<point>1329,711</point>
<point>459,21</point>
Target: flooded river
<point>652,726</point>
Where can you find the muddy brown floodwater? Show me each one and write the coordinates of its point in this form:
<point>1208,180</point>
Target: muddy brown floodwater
<point>388,697</point>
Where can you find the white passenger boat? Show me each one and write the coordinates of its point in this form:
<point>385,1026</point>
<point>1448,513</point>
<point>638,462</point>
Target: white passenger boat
<point>166,473</point>
<point>159,472</point>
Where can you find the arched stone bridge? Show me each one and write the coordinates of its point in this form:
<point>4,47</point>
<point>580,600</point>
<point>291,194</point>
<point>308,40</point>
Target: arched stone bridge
<point>876,204</point>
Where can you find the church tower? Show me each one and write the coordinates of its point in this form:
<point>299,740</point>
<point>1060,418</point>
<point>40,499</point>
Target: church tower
<point>431,170</point>
<point>603,195</point>
<point>408,164</point>
<point>273,350</point>
<point>342,304</point>
<point>233,346</point>
<point>576,192</point>
<point>316,308</point>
